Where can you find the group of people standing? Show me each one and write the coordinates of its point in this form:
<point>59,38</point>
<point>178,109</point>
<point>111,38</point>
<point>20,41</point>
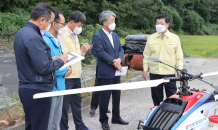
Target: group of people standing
<point>41,49</point>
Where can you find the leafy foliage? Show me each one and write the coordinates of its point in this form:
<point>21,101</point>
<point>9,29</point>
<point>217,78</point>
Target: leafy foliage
<point>9,31</point>
<point>193,22</point>
<point>133,16</point>
<point>89,32</point>
<point>10,23</point>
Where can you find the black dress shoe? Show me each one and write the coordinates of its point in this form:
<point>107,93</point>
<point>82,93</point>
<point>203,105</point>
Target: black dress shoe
<point>120,121</point>
<point>85,128</point>
<point>105,126</point>
<point>92,112</point>
<point>108,111</point>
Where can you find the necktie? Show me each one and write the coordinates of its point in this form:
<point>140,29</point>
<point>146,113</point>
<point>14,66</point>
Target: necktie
<point>163,35</point>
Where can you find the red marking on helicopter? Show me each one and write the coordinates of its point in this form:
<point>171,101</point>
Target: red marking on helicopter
<point>152,107</point>
<point>192,100</point>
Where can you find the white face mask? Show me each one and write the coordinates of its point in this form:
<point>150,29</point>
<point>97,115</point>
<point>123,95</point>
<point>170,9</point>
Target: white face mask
<point>112,26</point>
<point>46,30</point>
<point>77,30</point>
<point>160,28</point>
<point>61,31</point>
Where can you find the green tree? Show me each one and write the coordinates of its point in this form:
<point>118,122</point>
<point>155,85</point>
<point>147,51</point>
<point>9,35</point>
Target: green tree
<point>193,23</point>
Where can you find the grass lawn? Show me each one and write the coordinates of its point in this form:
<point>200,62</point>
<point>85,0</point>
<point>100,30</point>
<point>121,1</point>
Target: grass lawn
<point>122,41</point>
<point>8,44</point>
<point>204,46</point>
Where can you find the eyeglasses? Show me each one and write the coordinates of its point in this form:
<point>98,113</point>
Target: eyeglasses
<point>61,23</point>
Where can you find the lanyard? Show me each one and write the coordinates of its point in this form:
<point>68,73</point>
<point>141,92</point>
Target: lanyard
<point>55,43</point>
<point>60,50</point>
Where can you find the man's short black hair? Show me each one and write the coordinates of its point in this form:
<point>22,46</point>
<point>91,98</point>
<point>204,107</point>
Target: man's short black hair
<point>42,10</point>
<point>163,16</point>
<point>77,16</point>
<point>57,15</point>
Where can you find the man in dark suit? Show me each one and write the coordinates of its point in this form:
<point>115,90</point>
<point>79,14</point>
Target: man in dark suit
<point>36,67</point>
<point>95,95</point>
<point>110,54</point>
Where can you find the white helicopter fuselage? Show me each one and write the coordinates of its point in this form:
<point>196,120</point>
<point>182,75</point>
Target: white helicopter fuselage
<point>199,119</point>
<point>200,106</point>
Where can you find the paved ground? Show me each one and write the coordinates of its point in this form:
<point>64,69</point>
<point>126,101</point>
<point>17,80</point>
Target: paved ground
<point>135,104</point>
<point>8,72</point>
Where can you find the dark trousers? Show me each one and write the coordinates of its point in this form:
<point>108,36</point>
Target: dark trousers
<point>74,101</point>
<point>95,96</point>
<point>104,98</point>
<point>157,92</point>
<point>37,111</point>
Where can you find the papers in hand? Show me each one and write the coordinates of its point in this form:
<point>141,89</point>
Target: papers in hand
<point>122,72</point>
<point>72,59</point>
<point>145,77</point>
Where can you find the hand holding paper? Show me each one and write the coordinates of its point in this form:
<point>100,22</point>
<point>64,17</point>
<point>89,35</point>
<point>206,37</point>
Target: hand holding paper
<point>55,57</point>
<point>119,68</point>
<point>123,71</point>
<point>145,75</point>
<point>64,57</point>
<point>116,63</point>
<point>72,59</point>
<point>69,72</point>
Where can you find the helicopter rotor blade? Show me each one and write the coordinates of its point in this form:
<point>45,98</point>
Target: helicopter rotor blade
<point>122,86</point>
<point>154,60</point>
<point>209,74</point>
<point>199,77</point>
<point>215,86</point>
